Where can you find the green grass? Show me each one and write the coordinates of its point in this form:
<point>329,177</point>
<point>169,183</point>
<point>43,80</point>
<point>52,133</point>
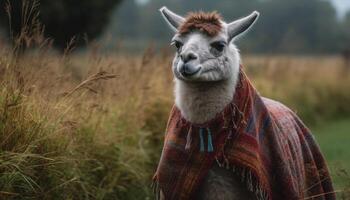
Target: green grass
<point>334,140</point>
<point>102,139</point>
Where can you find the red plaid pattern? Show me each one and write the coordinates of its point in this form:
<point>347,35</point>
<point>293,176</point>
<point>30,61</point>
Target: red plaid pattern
<point>260,139</point>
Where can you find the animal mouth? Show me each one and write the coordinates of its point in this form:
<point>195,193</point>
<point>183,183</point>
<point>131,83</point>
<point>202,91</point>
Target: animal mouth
<point>190,73</point>
<point>208,70</point>
<point>188,70</point>
<point>209,65</point>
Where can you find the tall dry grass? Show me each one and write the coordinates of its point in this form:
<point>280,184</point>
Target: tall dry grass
<point>317,88</point>
<point>71,130</point>
<point>91,126</point>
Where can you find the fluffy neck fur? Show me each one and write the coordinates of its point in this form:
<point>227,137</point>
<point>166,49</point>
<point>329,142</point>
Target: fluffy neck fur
<point>200,102</point>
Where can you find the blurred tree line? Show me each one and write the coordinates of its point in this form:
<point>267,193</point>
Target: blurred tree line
<point>285,26</point>
<point>62,19</point>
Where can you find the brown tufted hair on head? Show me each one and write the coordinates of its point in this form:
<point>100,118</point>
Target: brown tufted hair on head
<point>207,23</point>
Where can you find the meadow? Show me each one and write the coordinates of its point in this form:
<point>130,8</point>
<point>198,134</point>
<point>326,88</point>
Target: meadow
<point>90,125</point>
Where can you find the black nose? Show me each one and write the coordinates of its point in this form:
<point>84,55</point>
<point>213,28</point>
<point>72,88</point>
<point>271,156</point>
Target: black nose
<point>186,57</point>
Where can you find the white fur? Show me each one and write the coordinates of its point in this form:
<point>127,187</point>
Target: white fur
<point>172,19</point>
<point>201,101</point>
<point>203,94</point>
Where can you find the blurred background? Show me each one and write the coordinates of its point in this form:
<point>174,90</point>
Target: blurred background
<point>298,27</point>
<point>86,88</point>
<point>293,27</point>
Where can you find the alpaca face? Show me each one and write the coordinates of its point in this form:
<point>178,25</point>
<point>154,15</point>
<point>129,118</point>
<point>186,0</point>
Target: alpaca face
<point>200,57</point>
<point>204,47</point>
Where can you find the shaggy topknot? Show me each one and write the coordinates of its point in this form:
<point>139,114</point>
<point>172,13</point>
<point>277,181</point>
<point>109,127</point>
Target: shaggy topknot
<point>207,23</point>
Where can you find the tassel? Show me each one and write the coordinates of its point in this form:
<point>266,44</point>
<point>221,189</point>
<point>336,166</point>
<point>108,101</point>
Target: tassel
<point>210,142</point>
<point>189,139</point>
<point>230,134</point>
<point>202,139</point>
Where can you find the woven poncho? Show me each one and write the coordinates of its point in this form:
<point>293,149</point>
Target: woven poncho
<point>261,140</point>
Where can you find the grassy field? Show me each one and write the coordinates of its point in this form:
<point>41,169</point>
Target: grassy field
<point>90,126</point>
<point>333,138</point>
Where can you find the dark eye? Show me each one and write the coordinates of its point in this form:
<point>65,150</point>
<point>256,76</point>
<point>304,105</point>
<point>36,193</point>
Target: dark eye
<point>218,46</point>
<point>177,44</point>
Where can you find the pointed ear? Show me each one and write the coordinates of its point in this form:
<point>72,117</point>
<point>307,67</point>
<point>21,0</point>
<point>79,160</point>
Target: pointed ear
<point>239,26</point>
<point>173,20</point>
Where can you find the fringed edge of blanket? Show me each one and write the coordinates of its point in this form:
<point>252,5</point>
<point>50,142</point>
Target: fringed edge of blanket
<point>252,182</point>
<point>247,177</point>
<point>155,188</point>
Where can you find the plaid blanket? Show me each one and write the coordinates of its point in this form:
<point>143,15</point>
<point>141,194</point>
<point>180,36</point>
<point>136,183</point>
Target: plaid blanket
<point>261,140</point>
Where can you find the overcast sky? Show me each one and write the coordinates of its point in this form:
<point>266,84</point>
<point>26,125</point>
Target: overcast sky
<point>342,6</point>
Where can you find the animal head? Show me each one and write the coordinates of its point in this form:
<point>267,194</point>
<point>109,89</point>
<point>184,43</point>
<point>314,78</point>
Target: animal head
<point>204,42</point>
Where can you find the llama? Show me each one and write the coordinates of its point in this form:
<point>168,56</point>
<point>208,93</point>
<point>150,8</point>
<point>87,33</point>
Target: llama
<point>223,140</point>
